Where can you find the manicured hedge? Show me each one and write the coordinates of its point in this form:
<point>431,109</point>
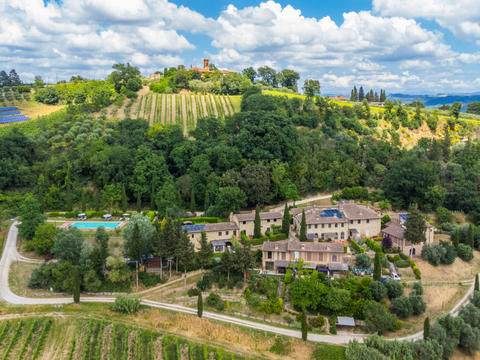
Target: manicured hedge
<point>374,246</point>
<point>355,247</point>
<point>276,237</point>
<point>202,220</point>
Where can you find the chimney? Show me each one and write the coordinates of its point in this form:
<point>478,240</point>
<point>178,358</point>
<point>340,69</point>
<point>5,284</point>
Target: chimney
<point>206,63</point>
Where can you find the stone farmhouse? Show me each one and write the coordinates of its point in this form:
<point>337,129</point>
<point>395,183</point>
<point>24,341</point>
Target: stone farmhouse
<point>330,258</point>
<point>338,222</point>
<point>395,229</point>
<point>220,234</point>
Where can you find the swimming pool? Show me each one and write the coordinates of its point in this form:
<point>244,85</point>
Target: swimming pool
<point>92,225</point>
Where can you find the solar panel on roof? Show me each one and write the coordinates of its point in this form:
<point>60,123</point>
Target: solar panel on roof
<point>403,216</point>
<point>193,227</point>
<point>8,108</point>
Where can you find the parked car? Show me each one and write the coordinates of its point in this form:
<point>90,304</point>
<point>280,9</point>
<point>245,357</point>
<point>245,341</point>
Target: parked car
<point>395,277</point>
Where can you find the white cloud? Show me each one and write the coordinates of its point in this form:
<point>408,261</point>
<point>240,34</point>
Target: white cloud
<point>462,17</point>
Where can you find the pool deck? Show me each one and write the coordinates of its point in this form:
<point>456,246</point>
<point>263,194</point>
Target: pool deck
<point>68,224</point>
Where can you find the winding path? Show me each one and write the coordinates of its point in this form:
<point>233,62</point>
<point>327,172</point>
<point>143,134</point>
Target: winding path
<point>10,254</point>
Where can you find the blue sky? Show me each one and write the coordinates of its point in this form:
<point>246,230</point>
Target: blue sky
<point>411,46</point>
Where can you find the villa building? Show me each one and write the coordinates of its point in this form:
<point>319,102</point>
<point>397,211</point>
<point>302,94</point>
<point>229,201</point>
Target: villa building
<point>206,69</point>
<point>395,229</point>
<point>246,222</point>
<point>338,222</point>
<point>326,257</point>
<point>218,234</point>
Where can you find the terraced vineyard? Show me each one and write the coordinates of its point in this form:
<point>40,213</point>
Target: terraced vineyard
<point>184,109</point>
<point>45,338</point>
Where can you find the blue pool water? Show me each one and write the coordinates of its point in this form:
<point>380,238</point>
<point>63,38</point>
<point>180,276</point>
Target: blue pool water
<point>90,225</point>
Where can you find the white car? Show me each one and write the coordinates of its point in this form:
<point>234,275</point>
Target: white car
<point>395,277</point>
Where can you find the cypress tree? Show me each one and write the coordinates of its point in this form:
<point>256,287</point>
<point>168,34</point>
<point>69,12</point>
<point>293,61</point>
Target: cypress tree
<point>426,328</point>
<point>304,325</point>
<point>352,95</point>
<point>456,239</point>
<point>205,253</point>
<point>470,238</point>
<point>303,227</point>
<point>139,201</point>
<point>193,205</point>
<point>477,287</point>
<point>200,304</point>
<point>257,230</point>
<point>355,93</point>
<point>76,282</point>
<point>286,220</point>
<point>361,94</point>
<point>124,200</point>
<point>377,268</point>
<point>84,199</point>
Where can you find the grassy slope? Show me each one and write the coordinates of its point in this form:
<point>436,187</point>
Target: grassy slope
<point>408,137</point>
<point>73,320</point>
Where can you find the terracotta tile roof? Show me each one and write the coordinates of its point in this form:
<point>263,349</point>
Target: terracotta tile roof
<point>263,216</point>
<point>302,246</point>
<point>359,212</point>
<point>221,226</point>
<point>394,229</point>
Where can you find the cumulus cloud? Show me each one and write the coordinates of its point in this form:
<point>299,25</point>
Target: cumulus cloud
<point>462,17</point>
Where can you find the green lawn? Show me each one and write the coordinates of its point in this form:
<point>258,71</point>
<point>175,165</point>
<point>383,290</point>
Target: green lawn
<point>329,352</point>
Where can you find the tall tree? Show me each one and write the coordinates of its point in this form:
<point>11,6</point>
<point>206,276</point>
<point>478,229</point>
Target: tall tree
<point>193,204</point>
<point>227,263</point>
<point>184,252</point>
<point>304,324</point>
<point>470,237</point>
<point>456,239</point>
<point>250,73</point>
<point>361,94</point>
<point>455,110</point>
<point>205,254</point>
<point>286,220</point>
<point>100,252</point>
<point>200,304</point>
<point>30,216</point>
<point>377,268</point>
<point>383,96</point>
<point>311,88</point>
<point>257,224</point>
<point>303,227</point>
<point>288,78</point>
<point>355,93</point>
<point>426,328</point>
<point>414,227</point>
<point>446,143</point>
<point>138,236</point>
<point>244,260</point>
<point>68,246</point>
<point>268,75</point>
<point>76,283</point>
<point>477,286</point>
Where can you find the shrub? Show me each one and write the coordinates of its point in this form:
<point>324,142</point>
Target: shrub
<point>332,321</point>
<point>402,263</point>
<point>288,319</point>
<point>403,256</point>
<point>205,283</point>
<point>465,252</point>
<point>433,254</point>
<point>394,288</point>
<point>417,303</point>
<point>373,245</point>
<point>379,291</point>
<point>126,304</point>
<point>355,247</point>
<point>214,300</point>
<point>450,253</point>
<point>418,288</point>
<point>279,347</point>
<point>318,322</point>
<point>416,272</point>
<point>379,319</point>
<point>363,261</point>
<point>148,279</point>
<point>402,307</point>
<point>443,215</point>
<point>193,292</point>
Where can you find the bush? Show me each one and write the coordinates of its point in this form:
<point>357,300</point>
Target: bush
<point>149,280</point>
<point>443,215</point>
<point>318,322</point>
<point>418,288</point>
<point>205,283</point>
<point>416,272</point>
<point>363,261</point>
<point>214,300</point>
<point>402,307</point>
<point>279,347</point>
<point>373,245</point>
<point>433,254</point>
<point>417,304</point>
<point>394,288</point>
<point>379,319</point>
<point>276,237</point>
<point>193,292</point>
<point>465,252</point>
<point>332,321</point>
<point>126,304</point>
<point>379,291</point>
<point>402,263</point>
<point>288,319</point>
<point>355,247</point>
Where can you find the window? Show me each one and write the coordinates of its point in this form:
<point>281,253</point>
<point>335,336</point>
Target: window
<point>284,256</point>
<point>336,225</point>
<point>295,255</point>
<point>329,225</point>
<point>193,236</point>
<point>274,220</point>
<point>226,232</point>
<point>235,232</point>
<point>351,221</point>
<point>323,226</point>
<point>309,226</point>
<point>342,235</point>
<point>334,257</point>
<point>219,233</point>
<point>309,256</point>
<point>268,220</point>
<point>269,254</point>
<point>359,221</point>
<point>343,224</point>
<point>244,222</point>
<point>368,221</point>
<point>323,236</point>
